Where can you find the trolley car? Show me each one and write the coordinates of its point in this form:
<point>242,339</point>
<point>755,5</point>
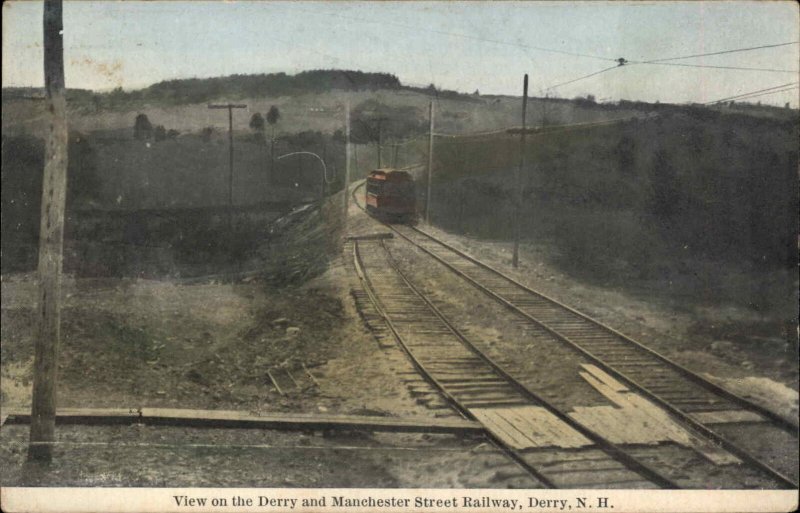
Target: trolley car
<point>391,195</point>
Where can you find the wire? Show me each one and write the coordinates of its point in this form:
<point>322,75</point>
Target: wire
<point>770,89</point>
<point>769,92</point>
<point>583,77</point>
<point>463,36</point>
<point>753,92</point>
<point>651,61</point>
<point>540,130</point>
<point>716,67</point>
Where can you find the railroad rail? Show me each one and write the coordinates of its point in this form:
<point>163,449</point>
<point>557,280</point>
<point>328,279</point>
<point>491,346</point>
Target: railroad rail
<point>697,402</point>
<point>479,389</point>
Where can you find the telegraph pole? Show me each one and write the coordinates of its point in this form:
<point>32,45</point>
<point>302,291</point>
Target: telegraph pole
<point>346,158</point>
<point>430,165</point>
<point>230,107</point>
<point>518,191</point>
<point>380,139</point>
<point>51,241</point>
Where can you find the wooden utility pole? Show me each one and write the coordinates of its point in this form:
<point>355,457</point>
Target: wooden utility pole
<point>51,241</point>
<point>518,189</point>
<point>230,107</point>
<point>380,139</point>
<point>346,159</point>
<point>430,165</point>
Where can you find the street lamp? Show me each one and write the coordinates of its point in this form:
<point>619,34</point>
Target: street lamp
<point>321,161</point>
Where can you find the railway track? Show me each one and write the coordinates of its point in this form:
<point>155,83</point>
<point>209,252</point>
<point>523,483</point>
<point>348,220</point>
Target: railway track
<point>480,390</point>
<point>708,409</point>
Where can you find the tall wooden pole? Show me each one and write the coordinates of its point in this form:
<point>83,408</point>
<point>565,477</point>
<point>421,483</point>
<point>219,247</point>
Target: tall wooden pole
<point>380,142</point>
<point>51,241</point>
<point>230,108</point>
<point>518,191</point>
<point>430,165</point>
<point>346,159</point>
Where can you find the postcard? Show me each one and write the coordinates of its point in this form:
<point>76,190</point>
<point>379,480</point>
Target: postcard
<point>367,256</point>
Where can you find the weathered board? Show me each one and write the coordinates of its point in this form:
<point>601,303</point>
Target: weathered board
<point>726,417</point>
<point>634,420</point>
<point>230,418</point>
<point>529,427</point>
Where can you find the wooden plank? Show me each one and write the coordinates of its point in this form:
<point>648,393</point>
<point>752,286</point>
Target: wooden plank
<point>726,416</point>
<point>500,428</point>
<point>636,420</point>
<point>230,418</point>
<point>525,427</point>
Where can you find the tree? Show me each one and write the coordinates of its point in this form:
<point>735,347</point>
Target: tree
<point>160,133</point>
<point>273,116</point>
<point>142,129</point>
<point>207,133</point>
<point>257,122</point>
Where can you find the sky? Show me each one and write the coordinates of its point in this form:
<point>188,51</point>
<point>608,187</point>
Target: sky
<point>464,46</point>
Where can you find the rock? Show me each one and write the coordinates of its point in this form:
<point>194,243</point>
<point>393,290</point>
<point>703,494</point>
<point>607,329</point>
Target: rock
<point>721,347</point>
<point>281,321</point>
<point>292,331</point>
<point>747,364</point>
<point>322,409</point>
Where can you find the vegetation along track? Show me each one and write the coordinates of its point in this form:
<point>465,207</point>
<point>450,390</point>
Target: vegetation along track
<point>713,412</point>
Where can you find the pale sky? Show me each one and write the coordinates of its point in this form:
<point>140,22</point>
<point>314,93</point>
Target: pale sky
<point>457,45</point>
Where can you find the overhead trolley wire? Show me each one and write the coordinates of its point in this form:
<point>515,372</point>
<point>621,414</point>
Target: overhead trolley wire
<point>459,35</point>
<point>651,61</point>
<point>742,68</point>
<point>663,62</point>
<point>769,90</point>
<point>583,77</point>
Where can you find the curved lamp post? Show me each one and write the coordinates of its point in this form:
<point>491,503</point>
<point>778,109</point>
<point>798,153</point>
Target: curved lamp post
<point>324,167</point>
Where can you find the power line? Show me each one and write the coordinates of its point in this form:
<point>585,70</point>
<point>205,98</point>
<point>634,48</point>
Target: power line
<point>463,36</point>
<point>583,77</point>
<point>651,61</point>
<point>768,90</point>
<point>715,67</point>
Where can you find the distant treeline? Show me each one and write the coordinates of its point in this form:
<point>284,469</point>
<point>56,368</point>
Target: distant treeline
<point>199,90</point>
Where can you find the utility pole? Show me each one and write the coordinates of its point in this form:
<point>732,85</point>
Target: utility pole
<point>346,159</point>
<point>51,240</point>
<point>518,191</point>
<point>230,107</point>
<point>380,139</point>
<point>430,165</point>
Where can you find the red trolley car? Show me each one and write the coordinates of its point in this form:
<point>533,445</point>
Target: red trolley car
<point>391,195</point>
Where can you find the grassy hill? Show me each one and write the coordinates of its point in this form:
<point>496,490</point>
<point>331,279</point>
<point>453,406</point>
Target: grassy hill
<point>718,181</point>
<point>700,202</point>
